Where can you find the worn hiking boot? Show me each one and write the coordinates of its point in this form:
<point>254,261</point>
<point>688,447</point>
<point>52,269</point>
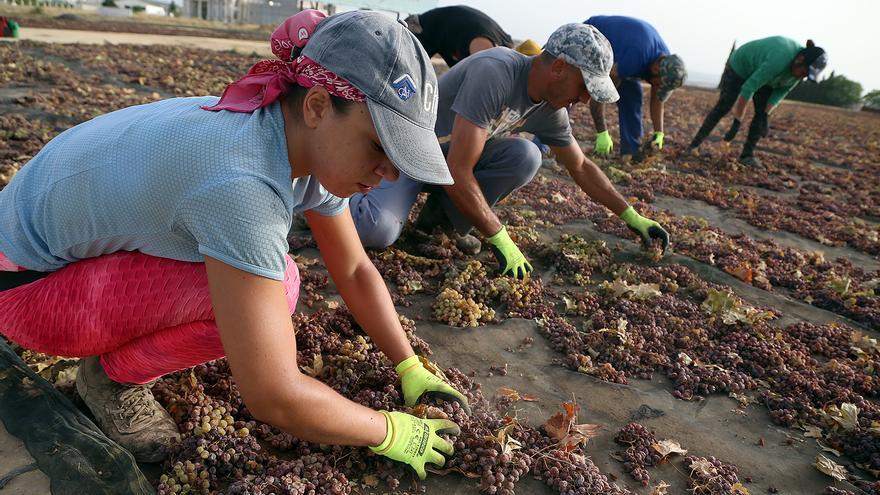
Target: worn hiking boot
<point>467,244</point>
<point>749,161</point>
<point>127,414</point>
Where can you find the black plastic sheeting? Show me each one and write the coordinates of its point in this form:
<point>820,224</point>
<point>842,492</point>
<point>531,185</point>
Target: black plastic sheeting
<point>68,447</point>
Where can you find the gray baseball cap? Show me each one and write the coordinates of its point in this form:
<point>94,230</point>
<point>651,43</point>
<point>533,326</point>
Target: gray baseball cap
<point>380,57</point>
<point>583,46</point>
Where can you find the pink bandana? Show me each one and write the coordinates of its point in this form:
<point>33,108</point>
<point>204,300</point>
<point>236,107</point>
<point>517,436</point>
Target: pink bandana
<point>268,80</point>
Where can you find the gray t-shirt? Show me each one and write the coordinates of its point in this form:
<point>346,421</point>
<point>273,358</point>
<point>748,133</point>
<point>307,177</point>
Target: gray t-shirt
<point>167,179</point>
<point>490,90</point>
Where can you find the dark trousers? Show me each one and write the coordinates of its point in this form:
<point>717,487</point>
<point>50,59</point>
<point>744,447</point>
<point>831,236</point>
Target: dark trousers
<point>629,115</point>
<point>731,84</point>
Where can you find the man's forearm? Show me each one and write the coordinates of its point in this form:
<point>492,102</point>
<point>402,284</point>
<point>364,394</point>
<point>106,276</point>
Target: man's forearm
<point>468,199</point>
<point>593,181</point>
<point>657,113</point>
<point>739,108</point>
<point>597,110</point>
<point>367,297</point>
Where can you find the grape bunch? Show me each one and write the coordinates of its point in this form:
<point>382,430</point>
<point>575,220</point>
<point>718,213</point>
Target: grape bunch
<point>709,476</point>
<point>453,308</point>
<point>639,452</point>
<point>576,258</point>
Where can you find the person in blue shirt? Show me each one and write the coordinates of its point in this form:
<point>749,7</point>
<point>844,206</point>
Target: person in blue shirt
<point>640,54</point>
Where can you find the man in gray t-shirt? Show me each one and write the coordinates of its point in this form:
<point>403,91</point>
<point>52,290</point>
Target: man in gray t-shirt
<point>482,100</point>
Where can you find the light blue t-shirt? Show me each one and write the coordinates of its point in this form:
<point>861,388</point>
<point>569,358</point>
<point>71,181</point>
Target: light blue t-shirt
<point>167,179</point>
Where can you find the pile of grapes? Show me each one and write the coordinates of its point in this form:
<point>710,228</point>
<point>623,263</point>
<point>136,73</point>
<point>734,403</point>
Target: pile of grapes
<point>224,450</point>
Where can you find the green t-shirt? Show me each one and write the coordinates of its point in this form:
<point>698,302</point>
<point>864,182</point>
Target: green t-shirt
<point>766,62</point>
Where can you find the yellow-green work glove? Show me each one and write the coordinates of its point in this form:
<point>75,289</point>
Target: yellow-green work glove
<point>511,261</point>
<point>414,441</point>
<point>416,380</point>
<point>646,228</point>
<point>604,144</point>
<point>657,142</point>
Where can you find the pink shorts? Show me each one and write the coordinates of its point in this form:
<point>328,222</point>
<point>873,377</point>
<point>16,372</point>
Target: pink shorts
<point>145,316</point>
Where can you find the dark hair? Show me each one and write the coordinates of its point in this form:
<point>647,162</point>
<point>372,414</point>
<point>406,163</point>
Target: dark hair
<point>811,53</point>
<point>297,94</point>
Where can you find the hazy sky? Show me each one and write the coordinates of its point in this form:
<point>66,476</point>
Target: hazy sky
<point>701,32</point>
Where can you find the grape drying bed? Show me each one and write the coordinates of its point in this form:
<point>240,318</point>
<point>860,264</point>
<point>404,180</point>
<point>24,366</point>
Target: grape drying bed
<point>745,344</point>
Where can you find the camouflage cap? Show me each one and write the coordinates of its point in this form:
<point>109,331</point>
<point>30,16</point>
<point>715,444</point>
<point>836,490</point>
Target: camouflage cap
<point>583,46</point>
<point>672,75</point>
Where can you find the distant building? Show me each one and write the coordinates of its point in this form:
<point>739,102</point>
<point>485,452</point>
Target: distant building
<point>124,7</point>
<point>267,12</point>
<point>151,7</point>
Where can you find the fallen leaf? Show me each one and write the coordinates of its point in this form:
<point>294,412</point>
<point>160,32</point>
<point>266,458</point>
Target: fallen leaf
<point>66,376</point>
<point>830,467</point>
<point>813,432</point>
<point>371,480</point>
<point>739,489</point>
<point>580,435</point>
<point>560,423</point>
<point>743,399</point>
<point>305,261</point>
<point>742,272</point>
<point>644,291</point>
<point>666,447</point>
<point>529,398</point>
<point>849,416</point>
<point>507,393</point>
<point>704,468</point>
<point>828,449</point>
<point>660,488</point>
<point>503,438</point>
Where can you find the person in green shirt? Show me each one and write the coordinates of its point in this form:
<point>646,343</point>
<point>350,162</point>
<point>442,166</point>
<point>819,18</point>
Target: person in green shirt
<point>763,71</point>
<point>8,28</point>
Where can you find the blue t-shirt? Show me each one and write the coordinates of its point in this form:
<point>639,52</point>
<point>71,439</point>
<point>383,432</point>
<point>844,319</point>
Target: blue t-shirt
<point>635,43</point>
<point>167,179</point>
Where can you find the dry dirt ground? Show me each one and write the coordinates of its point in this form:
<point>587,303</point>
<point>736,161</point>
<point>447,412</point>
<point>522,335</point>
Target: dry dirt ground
<point>48,35</point>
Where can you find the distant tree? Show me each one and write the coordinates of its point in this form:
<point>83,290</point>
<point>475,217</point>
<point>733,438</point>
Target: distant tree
<point>872,99</point>
<point>137,9</point>
<point>109,3</point>
<point>173,10</point>
<point>836,89</point>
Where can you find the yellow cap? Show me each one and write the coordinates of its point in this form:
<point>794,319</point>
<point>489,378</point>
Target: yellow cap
<point>529,47</point>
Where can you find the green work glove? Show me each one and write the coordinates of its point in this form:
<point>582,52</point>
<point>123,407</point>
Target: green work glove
<point>646,228</point>
<point>416,380</point>
<point>414,441</point>
<point>510,258</point>
<point>604,144</point>
<point>657,142</point>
